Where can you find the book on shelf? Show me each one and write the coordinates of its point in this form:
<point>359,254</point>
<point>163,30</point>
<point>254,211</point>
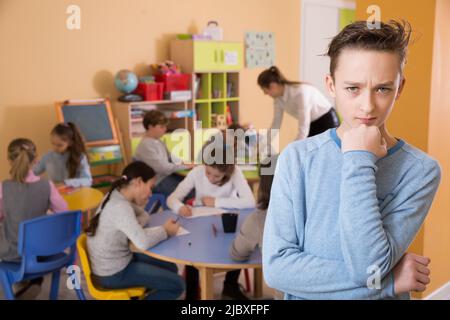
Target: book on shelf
<point>181,95</point>
<point>178,113</point>
<point>144,107</point>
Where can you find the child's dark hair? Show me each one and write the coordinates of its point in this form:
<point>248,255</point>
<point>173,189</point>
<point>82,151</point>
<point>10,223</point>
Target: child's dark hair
<point>153,118</point>
<point>224,164</point>
<point>69,132</point>
<point>21,153</point>
<point>392,36</point>
<point>132,171</point>
<point>265,183</point>
<point>273,75</point>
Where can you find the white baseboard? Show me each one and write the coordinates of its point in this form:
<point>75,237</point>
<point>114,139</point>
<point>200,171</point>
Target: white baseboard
<point>443,293</point>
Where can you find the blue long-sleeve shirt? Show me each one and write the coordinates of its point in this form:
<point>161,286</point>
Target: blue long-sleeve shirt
<point>335,219</point>
<point>55,165</point>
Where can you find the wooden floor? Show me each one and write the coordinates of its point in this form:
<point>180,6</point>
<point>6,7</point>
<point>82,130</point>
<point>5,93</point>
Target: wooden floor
<point>67,294</point>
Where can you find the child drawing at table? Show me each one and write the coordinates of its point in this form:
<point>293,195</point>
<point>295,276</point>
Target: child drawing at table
<point>67,164</point>
<point>218,183</point>
<point>120,220</point>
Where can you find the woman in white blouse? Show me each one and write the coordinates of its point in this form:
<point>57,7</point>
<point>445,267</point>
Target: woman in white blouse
<point>301,100</point>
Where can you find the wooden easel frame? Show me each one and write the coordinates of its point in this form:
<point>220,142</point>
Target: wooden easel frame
<point>100,102</point>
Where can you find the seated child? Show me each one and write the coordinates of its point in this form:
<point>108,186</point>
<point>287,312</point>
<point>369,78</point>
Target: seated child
<point>120,220</point>
<point>153,152</point>
<point>23,197</point>
<point>250,235</point>
<point>67,164</point>
<point>217,184</point>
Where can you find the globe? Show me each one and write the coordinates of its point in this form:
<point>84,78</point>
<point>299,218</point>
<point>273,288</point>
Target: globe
<point>126,82</point>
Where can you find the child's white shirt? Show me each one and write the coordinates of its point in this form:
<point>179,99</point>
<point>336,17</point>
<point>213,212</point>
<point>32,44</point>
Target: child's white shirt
<point>235,193</point>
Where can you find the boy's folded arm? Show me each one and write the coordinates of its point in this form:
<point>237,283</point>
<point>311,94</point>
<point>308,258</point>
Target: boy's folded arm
<point>158,162</point>
<point>286,266</point>
<point>371,238</point>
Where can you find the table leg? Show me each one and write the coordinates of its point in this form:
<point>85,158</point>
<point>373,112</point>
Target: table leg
<point>257,282</point>
<point>206,283</point>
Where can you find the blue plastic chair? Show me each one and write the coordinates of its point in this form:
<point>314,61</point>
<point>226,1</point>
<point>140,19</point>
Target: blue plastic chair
<point>42,246</point>
<point>155,201</point>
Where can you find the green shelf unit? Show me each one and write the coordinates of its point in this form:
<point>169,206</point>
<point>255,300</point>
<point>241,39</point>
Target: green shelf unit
<point>218,85</point>
<point>234,109</point>
<point>204,93</point>
<point>203,111</point>
<point>232,85</point>
<point>217,65</point>
<point>218,108</point>
<point>222,90</point>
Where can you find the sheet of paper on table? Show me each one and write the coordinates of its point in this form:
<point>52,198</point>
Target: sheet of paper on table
<point>181,231</point>
<point>205,211</point>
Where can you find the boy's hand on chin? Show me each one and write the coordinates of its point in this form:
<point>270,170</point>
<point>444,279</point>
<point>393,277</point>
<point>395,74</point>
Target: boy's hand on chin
<point>364,138</point>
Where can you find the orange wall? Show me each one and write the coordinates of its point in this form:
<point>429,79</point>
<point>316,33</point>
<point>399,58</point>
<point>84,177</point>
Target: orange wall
<point>42,61</point>
<point>412,110</point>
<point>437,228</point>
<point>421,115</point>
<point>410,116</point>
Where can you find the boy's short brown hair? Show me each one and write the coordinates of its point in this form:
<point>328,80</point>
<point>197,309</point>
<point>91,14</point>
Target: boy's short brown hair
<point>153,118</point>
<point>392,36</point>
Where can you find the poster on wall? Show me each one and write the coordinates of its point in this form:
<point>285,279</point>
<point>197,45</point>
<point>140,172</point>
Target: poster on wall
<point>259,49</point>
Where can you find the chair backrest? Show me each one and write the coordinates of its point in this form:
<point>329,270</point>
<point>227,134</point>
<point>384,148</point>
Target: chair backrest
<point>42,241</point>
<point>84,258</point>
<point>95,292</point>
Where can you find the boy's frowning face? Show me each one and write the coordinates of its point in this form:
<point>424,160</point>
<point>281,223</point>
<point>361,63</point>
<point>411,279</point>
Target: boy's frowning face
<point>365,86</point>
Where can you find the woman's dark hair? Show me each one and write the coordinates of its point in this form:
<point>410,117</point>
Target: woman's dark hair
<point>265,182</point>
<point>274,75</point>
<point>224,163</point>
<point>153,118</point>
<point>70,133</point>
<point>132,171</point>
<point>392,36</point>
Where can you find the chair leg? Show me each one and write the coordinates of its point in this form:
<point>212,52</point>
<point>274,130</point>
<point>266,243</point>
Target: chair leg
<point>7,286</point>
<point>247,281</point>
<point>55,285</point>
<point>80,294</point>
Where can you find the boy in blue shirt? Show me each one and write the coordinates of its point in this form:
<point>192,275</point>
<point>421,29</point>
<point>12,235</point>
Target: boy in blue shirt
<point>346,204</point>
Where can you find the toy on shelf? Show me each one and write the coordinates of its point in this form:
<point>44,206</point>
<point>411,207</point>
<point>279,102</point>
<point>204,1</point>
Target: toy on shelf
<point>166,67</point>
<point>218,121</point>
<point>147,79</point>
<point>213,30</point>
<point>229,117</point>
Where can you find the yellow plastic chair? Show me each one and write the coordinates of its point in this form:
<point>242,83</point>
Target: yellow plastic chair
<point>99,293</point>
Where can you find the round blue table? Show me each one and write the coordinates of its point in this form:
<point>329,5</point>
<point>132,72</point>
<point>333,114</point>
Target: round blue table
<point>204,249</point>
